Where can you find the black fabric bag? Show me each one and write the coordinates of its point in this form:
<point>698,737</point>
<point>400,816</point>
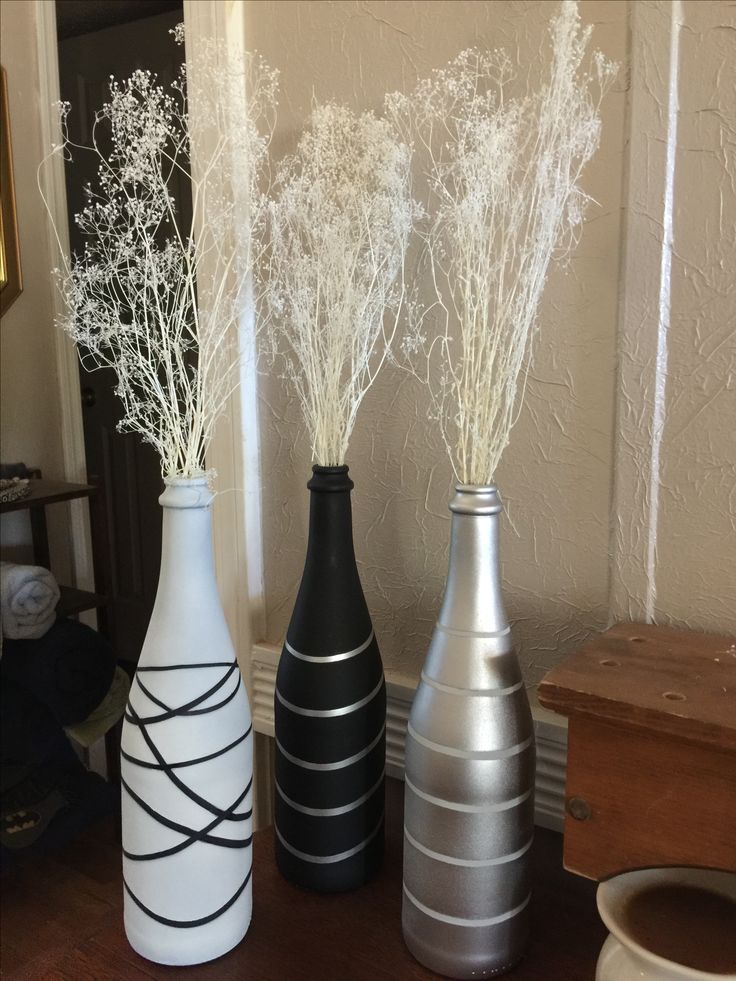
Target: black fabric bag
<point>69,669</point>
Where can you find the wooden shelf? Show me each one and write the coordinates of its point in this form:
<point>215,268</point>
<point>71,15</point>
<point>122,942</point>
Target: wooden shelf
<point>73,601</point>
<point>45,492</point>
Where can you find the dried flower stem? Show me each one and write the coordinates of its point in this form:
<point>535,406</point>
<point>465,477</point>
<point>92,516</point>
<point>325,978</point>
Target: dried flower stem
<point>340,221</point>
<point>154,296</point>
<point>503,180</point>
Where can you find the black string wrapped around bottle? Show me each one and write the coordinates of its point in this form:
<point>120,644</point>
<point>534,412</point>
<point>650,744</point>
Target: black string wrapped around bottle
<point>330,710</point>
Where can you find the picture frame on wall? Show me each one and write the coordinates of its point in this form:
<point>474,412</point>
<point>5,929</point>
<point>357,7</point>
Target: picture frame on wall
<point>11,280</point>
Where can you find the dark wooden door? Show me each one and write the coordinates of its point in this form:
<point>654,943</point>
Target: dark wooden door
<point>128,467</point>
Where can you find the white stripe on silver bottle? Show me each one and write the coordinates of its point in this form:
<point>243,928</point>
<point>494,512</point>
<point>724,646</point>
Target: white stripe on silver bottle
<point>331,811</point>
<point>452,805</point>
<point>470,754</point>
<point>330,713</point>
<point>330,658</point>
<point>467,863</point>
<point>481,634</point>
<point>471,692</point>
<point>337,764</point>
<point>464,921</point>
<point>328,859</point>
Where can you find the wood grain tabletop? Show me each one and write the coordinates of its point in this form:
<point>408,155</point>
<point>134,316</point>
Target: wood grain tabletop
<point>62,921</point>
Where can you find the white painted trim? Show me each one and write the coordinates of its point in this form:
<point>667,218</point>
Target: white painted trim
<point>234,451</point>
<point>550,732</point>
<point>250,445</point>
<point>51,180</point>
<point>665,299</point>
<point>651,129</point>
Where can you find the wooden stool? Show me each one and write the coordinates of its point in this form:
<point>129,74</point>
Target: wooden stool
<point>651,767</point>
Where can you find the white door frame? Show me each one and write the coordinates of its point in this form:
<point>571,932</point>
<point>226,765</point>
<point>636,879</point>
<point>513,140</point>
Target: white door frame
<point>53,187</point>
<point>234,450</point>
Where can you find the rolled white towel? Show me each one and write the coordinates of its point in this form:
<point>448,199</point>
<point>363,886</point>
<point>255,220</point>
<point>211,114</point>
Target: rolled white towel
<point>28,598</point>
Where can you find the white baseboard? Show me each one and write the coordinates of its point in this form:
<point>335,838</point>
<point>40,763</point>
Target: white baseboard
<point>550,731</point>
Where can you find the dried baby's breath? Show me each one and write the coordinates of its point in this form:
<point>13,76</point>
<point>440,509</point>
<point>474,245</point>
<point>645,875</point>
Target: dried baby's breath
<point>155,295</point>
<point>340,220</point>
<point>504,198</point>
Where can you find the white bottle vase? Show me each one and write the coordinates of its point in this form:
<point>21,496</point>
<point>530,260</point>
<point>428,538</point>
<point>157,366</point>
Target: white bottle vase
<point>187,757</point>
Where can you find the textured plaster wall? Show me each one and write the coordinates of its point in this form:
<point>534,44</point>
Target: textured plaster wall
<point>673,546</point>
<point>556,475</point>
<point>620,480</point>
<point>696,534</point>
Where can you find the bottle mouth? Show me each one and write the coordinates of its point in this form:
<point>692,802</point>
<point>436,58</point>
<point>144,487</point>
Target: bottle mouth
<point>341,468</point>
<point>187,492</point>
<point>327,480</point>
<point>476,499</point>
<point>476,488</point>
<point>195,480</point>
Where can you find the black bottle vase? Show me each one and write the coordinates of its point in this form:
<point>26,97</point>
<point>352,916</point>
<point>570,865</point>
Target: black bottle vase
<point>330,711</point>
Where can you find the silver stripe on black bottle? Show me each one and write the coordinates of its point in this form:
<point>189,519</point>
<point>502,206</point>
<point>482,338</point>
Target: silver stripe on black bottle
<point>469,797</point>
<point>330,710</point>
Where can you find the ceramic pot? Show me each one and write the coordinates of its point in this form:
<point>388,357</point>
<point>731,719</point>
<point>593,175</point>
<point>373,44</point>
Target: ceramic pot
<point>330,711</point>
<point>624,958</point>
<point>469,798</point>
<point>187,757</point>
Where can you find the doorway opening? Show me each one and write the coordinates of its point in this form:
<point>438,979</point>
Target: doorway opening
<point>97,39</point>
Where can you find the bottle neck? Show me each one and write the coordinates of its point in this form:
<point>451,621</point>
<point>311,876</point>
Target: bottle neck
<point>187,624</point>
<point>187,531</point>
<point>330,614</point>
<point>330,514</point>
<point>473,599</point>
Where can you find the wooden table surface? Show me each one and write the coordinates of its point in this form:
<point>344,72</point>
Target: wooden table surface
<point>666,680</point>
<point>62,921</point>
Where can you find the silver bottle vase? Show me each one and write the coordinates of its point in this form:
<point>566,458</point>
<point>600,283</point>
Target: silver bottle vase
<point>469,798</point>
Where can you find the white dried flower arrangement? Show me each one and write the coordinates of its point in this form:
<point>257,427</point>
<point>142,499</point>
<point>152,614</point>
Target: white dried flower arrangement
<point>153,296</point>
<point>504,198</point>
<point>340,220</point>
<point>504,193</point>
